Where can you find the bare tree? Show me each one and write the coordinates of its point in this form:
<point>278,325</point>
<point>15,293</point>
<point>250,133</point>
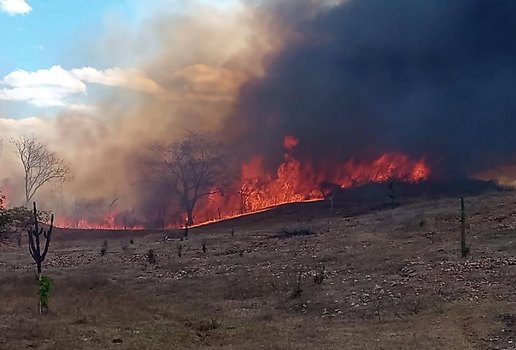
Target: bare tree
<point>39,164</point>
<point>191,168</point>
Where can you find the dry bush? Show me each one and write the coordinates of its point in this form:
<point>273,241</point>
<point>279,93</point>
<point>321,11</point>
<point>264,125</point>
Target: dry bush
<point>208,325</point>
<point>293,232</point>
<point>297,292</point>
<point>151,256</point>
<point>319,275</point>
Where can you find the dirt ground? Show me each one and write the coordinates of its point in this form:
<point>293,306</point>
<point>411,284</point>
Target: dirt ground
<point>385,279</point>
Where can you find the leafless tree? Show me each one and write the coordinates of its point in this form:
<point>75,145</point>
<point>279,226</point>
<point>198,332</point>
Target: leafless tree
<point>40,165</point>
<point>191,168</point>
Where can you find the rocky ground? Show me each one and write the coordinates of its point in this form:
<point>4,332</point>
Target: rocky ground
<point>389,278</point>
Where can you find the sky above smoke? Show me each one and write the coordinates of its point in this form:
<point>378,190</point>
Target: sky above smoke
<point>350,79</point>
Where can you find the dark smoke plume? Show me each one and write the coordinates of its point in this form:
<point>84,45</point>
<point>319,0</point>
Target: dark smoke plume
<point>427,78</point>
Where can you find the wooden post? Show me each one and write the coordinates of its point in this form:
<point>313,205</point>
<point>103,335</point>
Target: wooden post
<point>463,247</point>
<point>185,236</point>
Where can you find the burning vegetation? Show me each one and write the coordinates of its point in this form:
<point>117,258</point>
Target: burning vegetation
<point>190,182</point>
<point>308,99</point>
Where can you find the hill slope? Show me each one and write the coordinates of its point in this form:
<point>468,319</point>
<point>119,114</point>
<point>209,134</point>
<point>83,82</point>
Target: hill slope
<point>390,278</point>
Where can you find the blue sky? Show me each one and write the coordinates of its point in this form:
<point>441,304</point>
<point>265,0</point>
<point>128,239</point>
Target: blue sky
<point>42,37</point>
<point>46,53</point>
<point>51,53</point>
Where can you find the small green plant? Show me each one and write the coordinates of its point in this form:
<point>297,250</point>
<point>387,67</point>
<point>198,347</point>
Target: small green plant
<point>45,286</point>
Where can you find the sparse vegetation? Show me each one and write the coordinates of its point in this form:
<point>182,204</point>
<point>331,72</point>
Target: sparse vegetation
<point>370,280</point>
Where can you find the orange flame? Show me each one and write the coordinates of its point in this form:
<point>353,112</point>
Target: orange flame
<point>293,181</point>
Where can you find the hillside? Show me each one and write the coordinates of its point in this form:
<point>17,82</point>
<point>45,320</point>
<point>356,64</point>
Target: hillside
<point>381,277</point>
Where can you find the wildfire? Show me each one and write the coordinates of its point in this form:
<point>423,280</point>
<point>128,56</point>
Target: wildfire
<point>293,181</point>
<point>109,222</point>
<point>4,198</point>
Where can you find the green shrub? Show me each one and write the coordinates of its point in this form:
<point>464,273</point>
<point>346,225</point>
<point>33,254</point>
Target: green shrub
<point>45,285</point>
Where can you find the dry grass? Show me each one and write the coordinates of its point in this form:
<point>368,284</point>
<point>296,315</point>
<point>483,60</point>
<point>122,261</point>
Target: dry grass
<point>392,279</point>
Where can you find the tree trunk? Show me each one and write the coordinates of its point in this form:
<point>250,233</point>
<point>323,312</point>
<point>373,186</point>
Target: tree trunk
<point>189,214</point>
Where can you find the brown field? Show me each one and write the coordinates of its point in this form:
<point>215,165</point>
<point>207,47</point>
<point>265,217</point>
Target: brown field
<point>393,279</point>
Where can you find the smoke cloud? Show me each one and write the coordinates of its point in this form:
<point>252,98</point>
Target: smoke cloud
<point>351,79</point>
<point>181,70</point>
<point>365,77</point>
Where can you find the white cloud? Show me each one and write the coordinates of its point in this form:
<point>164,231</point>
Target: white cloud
<point>15,7</point>
<point>42,88</point>
<point>56,86</point>
<point>55,76</point>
